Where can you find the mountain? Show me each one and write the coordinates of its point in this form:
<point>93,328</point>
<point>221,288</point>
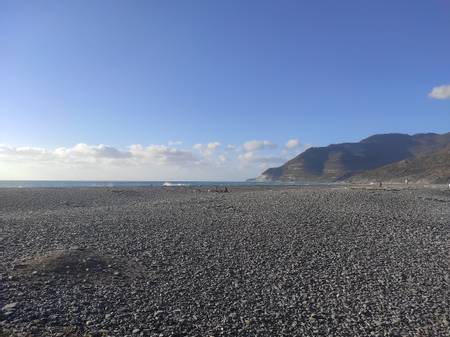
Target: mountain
<point>339,162</point>
<point>428,168</point>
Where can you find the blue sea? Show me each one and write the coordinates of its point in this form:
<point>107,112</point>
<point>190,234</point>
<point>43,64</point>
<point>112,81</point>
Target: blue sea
<point>78,183</point>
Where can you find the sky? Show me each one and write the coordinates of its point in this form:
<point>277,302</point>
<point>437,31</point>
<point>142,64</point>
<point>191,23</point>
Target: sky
<point>211,90</point>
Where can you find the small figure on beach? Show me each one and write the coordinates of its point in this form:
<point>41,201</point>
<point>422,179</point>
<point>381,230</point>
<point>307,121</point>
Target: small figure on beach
<point>381,184</point>
<point>406,181</point>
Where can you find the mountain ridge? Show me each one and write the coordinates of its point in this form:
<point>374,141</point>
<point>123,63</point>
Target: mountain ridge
<point>426,168</point>
<point>341,162</point>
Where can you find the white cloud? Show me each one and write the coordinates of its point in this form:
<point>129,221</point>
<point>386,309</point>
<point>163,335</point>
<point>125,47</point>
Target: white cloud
<point>25,150</point>
<point>8,152</point>
<point>207,149</point>
<point>210,161</point>
<point>82,150</point>
<point>256,145</point>
<point>441,92</point>
<point>222,158</point>
<point>162,155</point>
<point>99,162</point>
<point>292,144</point>
<point>157,154</point>
<point>213,146</point>
<point>249,158</point>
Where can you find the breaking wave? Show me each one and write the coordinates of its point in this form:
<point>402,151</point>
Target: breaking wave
<point>168,184</point>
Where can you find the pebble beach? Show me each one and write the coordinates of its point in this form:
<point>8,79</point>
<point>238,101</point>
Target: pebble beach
<point>179,261</point>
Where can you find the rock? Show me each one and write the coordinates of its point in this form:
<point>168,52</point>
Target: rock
<point>159,313</point>
<point>10,306</point>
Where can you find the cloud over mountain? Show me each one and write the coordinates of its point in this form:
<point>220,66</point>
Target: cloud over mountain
<point>292,144</point>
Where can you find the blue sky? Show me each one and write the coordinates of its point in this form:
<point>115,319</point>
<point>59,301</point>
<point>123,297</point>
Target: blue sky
<point>205,72</point>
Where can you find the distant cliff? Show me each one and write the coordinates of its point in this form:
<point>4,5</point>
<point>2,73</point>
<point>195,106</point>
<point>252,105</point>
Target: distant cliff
<point>341,162</point>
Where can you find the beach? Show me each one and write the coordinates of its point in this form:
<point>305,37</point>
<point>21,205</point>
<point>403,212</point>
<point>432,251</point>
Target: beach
<point>268,261</point>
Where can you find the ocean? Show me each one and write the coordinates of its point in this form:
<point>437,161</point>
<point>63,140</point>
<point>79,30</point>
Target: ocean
<point>80,183</point>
